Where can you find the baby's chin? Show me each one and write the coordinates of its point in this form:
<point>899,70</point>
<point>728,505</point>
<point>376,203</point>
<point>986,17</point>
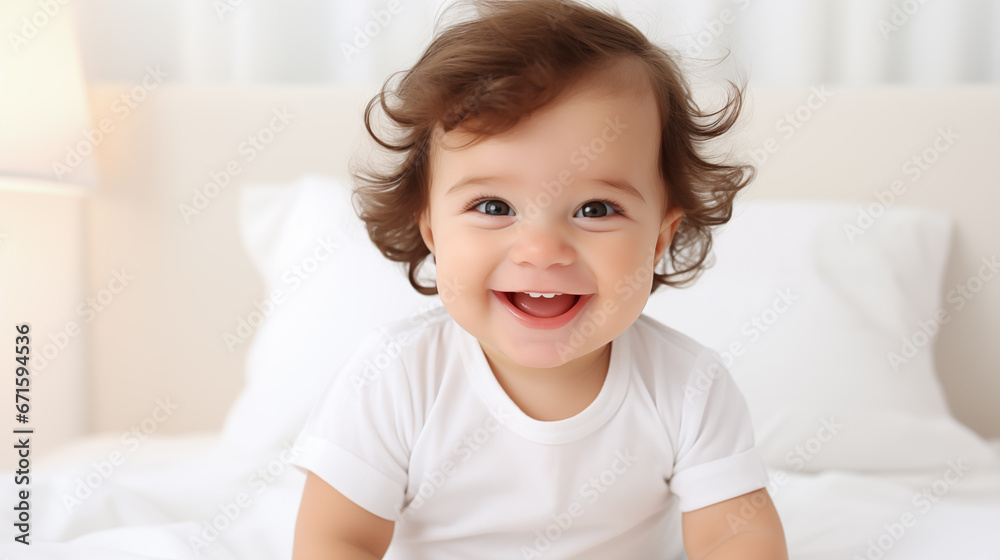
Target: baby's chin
<point>537,354</point>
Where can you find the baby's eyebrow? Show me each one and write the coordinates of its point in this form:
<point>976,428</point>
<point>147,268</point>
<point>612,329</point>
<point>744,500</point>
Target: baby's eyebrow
<point>618,184</point>
<point>475,179</point>
<point>622,185</point>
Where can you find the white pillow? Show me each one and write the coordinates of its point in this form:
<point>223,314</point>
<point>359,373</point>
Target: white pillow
<point>812,317</point>
<point>333,287</point>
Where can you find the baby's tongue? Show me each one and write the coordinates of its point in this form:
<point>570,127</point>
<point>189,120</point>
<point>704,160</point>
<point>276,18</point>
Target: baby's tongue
<point>542,306</point>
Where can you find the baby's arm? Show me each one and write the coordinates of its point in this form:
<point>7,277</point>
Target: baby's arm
<point>331,526</point>
<point>726,530</point>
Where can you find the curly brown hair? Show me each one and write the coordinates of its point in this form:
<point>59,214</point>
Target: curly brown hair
<point>488,73</point>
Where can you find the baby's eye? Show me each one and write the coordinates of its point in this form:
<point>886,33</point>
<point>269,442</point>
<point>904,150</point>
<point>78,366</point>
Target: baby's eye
<point>494,208</point>
<point>597,209</point>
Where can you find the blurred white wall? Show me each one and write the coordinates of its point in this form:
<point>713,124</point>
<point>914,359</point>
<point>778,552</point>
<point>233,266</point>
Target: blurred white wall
<point>776,42</point>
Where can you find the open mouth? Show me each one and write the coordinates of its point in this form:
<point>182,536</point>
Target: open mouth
<point>543,311</point>
<point>540,305</point>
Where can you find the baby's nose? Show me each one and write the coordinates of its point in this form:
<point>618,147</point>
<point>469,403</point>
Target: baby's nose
<point>542,244</point>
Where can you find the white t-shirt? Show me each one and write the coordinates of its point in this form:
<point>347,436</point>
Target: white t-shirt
<point>416,429</point>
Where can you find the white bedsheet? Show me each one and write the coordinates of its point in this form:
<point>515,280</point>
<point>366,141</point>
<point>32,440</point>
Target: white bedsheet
<point>171,489</point>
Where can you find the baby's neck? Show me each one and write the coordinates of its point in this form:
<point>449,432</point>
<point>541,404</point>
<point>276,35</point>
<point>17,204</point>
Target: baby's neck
<point>555,393</point>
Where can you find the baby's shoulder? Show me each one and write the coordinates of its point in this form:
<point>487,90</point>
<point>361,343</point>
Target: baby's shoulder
<point>666,360</point>
<point>403,350</point>
<point>424,324</point>
<point>671,369</point>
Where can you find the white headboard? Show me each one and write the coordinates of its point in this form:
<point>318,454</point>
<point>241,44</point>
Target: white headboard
<point>193,279</point>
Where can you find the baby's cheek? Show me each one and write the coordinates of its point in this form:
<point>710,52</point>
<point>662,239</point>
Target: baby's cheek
<point>634,268</point>
<point>630,288</point>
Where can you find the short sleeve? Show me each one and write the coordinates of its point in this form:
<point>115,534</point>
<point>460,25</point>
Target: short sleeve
<point>358,437</point>
<point>716,459</point>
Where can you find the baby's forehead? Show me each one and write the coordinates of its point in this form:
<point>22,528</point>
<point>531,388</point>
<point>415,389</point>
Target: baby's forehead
<point>622,78</point>
<point>581,139</point>
<point>606,108</point>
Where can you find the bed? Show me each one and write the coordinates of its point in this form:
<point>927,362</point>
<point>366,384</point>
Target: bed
<point>834,299</point>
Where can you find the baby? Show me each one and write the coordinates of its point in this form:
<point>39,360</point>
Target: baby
<point>552,171</point>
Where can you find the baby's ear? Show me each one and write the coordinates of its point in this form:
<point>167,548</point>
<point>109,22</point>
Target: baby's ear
<point>424,225</point>
<point>667,230</point>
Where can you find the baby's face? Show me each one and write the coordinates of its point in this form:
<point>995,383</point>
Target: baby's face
<point>527,211</point>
